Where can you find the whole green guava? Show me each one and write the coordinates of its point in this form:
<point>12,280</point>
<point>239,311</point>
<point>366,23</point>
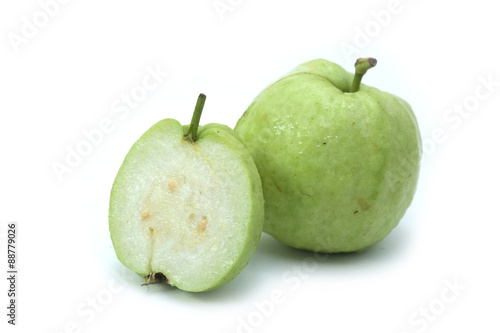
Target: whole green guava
<point>339,160</point>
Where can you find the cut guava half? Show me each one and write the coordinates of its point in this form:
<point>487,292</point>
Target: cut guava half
<point>187,210</point>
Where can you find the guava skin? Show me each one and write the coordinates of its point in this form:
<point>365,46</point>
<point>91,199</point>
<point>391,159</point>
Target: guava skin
<point>338,169</point>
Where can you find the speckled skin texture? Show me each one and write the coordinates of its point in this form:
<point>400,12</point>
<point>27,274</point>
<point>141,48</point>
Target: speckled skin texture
<point>338,169</point>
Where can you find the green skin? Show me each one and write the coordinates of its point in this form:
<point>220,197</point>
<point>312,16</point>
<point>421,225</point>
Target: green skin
<point>138,248</point>
<point>339,161</point>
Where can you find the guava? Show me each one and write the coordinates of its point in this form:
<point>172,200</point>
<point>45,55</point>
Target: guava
<point>339,160</point>
<point>186,206</point>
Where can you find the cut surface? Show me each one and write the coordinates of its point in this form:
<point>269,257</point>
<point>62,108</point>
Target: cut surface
<point>186,210</point>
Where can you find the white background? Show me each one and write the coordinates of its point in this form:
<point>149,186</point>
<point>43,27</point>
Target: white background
<point>436,272</point>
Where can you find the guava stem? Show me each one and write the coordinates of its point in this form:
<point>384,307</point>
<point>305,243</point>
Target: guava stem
<point>192,133</point>
<point>361,66</point>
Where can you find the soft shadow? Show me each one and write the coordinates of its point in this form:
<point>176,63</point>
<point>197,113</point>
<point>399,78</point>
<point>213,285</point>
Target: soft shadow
<point>394,245</point>
<point>269,261</point>
<point>272,258</point>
